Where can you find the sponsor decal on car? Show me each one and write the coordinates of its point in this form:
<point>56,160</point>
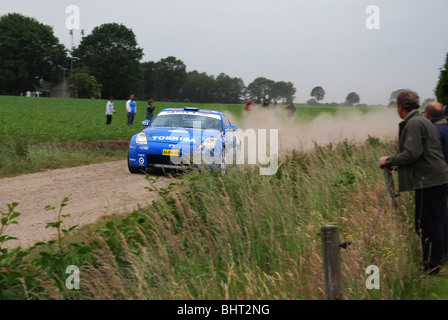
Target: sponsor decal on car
<point>173,138</point>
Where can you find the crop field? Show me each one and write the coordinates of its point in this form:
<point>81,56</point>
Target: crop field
<point>67,120</point>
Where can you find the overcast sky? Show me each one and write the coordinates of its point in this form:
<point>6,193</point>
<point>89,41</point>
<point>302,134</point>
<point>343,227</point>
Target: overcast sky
<point>307,42</point>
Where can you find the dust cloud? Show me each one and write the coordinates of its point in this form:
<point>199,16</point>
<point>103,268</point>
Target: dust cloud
<point>303,134</point>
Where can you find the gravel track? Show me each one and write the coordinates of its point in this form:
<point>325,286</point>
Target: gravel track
<point>93,190</point>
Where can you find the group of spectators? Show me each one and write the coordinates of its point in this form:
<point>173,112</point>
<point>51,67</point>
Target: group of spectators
<point>291,108</point>
<point>131,108</point>
<point>422,161</point>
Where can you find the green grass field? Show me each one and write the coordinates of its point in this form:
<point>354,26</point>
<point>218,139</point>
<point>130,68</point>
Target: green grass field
<point>36,133</point>
<point>64,120</point>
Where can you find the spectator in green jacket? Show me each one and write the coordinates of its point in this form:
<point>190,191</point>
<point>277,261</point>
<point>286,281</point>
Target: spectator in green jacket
<point>422,169</point>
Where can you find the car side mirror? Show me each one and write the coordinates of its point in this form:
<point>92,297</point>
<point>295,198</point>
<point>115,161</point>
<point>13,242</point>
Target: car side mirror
<point>232,128</point>
<point>146,122</point>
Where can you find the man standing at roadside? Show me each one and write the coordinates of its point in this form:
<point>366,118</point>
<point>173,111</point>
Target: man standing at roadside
<point>131,107</point>
<point>434,112</point>
<point>422,169</point>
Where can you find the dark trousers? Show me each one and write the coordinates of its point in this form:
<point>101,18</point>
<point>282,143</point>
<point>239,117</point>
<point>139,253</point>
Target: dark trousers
<point>130,118</point>
<point>431,224</point>
<point>108,118</point>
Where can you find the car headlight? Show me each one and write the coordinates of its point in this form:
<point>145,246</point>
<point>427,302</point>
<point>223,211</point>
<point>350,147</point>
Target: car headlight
<point>209,143</point>
<point>141,138</point>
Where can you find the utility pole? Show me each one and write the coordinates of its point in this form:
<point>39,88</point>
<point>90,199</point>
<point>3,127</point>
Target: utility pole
<point>71,53</point>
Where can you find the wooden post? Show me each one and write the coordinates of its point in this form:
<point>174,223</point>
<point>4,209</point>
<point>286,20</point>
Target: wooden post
<point>390,188</point>
<point>331,262</point>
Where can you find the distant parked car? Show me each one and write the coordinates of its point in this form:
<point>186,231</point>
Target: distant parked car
<point>182,138</point>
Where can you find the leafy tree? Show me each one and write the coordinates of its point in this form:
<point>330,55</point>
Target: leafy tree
<point>352,98</point>
<point>260,89</point>
<point>199,87</point>
<point>441,90</point>
<point>393,95</point>
<point>426,101</point>
<point>393,98</point>
<point>147,88</point>
<point>83,85</point>
<point>112,54</point>
<point>283,90</point>
<point>29,54</point>
<point>169,77</point>
<point>318,93</point>
<point>312,102</point>
<point>229,90</point>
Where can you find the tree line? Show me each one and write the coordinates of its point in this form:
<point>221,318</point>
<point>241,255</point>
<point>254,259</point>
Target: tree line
<point>108,62</point>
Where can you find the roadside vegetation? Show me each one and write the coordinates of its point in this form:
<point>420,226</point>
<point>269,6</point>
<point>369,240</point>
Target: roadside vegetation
<point>241,236</point>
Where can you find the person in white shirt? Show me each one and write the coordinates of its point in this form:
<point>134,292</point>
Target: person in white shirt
<point>110,110</point>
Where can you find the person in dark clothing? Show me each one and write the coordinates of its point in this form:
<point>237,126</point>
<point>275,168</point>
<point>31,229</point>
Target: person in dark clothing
<point>150,109</point>
<point>422,169</point>
<point>265,103</point>
<point>434,113</point>
<point>291,108</point>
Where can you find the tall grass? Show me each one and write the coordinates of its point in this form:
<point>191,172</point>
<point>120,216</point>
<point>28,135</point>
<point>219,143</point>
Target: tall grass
<point>245,236</point>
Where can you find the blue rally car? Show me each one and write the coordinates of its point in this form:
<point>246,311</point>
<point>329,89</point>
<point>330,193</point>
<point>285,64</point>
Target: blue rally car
<point>183,138</point>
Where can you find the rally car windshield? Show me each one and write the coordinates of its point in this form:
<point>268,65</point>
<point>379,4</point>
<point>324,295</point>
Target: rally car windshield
<point>188,120</point>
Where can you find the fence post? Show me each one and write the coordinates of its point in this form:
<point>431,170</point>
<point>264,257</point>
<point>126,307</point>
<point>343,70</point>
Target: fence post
<point>390,187</point>
<point>331,262</point>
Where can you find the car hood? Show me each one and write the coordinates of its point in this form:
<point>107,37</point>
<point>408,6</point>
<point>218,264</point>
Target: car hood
<point>179,135</point>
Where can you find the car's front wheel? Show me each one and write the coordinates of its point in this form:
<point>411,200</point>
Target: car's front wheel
<point>133,169</point>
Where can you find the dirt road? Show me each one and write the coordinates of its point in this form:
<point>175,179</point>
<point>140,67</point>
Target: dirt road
<point>93,191</point>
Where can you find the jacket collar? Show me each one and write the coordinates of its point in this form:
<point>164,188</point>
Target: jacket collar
<point>439,120</point>
<point>413,113</point>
